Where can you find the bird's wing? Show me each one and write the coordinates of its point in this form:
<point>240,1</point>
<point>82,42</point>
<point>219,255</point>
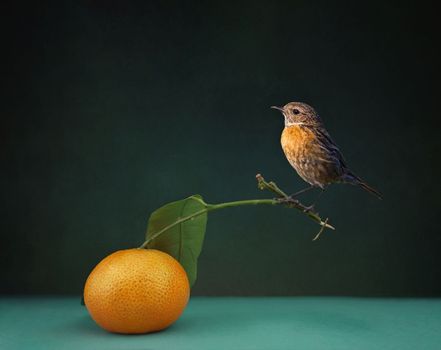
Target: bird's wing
<point>329,147</point>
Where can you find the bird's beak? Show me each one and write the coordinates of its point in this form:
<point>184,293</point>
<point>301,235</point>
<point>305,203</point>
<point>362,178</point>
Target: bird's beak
<point>278,108</point>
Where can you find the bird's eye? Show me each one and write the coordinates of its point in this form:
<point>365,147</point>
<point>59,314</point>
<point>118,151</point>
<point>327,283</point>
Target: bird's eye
<point>295,111</point>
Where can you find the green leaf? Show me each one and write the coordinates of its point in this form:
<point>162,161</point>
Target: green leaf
<point>178,229</point>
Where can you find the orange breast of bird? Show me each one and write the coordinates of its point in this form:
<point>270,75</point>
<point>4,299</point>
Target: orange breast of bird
<point>296,141</point>
<point>306,156</point>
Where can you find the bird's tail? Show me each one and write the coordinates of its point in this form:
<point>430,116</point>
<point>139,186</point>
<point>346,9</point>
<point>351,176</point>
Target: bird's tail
<point>355,180</point>
<point>370,189</point>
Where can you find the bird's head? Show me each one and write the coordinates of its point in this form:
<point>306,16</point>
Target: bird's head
<point>298,113</point>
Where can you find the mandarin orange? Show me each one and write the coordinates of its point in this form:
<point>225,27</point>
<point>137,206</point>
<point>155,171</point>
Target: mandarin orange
<point>136,291</point>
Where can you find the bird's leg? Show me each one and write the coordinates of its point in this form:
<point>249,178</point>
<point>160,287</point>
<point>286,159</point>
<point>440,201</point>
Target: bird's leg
<point>301,191</point>
<point>293,196</point>
<point>311,207</point>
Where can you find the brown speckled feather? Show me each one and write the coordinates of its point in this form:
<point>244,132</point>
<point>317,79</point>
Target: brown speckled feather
<point>307,153</point>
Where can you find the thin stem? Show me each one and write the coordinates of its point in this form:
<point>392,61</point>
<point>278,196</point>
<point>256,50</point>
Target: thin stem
<point>244,202</point>
<point>320,232</point>
<point>283,199</point>
<point>209,207</point>
<point>263,185</point>
<point>292,202</point>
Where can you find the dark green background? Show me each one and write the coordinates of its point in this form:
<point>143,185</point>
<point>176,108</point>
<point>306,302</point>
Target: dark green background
<point>113,109</point>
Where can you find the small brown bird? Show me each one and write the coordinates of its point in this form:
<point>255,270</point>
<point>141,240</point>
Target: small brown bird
<point>311,151</point>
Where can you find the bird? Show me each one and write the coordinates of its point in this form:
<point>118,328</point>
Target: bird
<point>311,151</point>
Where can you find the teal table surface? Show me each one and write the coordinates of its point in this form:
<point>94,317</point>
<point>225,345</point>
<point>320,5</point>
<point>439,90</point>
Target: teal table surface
<point>234,323</point>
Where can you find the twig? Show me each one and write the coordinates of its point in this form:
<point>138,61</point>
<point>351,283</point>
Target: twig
<point>317,236</point>
<point>290,202</point>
